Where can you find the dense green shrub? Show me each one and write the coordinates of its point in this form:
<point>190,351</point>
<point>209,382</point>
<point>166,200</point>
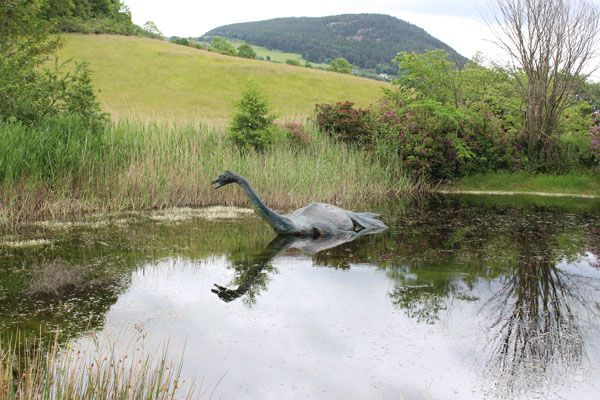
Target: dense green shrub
<point>50,120</point>
<point>572,148</point>
<point>29,91</point>
<point>595,138</point>
<point>424,133</point>
<point>244,50</point>
<point>91,16</point>
<point>113,26</point>
<point>222,46</point>
<point>180,41</point>
<point>444,122</point>
<point>341,65</point>
<point>297,133</point>
<point>431,75</point>
<point>344,122</point>
<point>431,139</point>
<point>252,126</point>
<point>295,63</point>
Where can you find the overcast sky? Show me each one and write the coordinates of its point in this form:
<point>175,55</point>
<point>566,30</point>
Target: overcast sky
<point>456,22</point>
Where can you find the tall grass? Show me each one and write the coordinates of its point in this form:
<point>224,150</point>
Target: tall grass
<point>58,148</point>
<point>59,170</point>
<point>31,370</point>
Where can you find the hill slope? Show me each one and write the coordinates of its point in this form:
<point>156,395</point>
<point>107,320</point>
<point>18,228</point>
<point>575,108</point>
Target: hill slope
<point>363,39</point>
<point>152,78</point>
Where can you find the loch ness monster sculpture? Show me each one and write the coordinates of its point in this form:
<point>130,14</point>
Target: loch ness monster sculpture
<point>314,220</point>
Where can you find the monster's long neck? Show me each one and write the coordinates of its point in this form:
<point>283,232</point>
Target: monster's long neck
<point>278,222</point>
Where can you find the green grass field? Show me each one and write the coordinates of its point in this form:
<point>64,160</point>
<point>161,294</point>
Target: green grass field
<point>583,182</point>
<point>154,80</point>
<point>278,55</point>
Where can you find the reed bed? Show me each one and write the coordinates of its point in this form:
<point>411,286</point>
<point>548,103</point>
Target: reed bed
<point>31,369</point>
<point>57,171</point>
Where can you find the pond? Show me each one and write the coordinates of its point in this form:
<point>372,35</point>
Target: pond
<point>462,298</point>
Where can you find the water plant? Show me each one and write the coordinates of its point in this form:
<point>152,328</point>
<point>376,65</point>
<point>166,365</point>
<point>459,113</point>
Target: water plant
<point>38,369</point>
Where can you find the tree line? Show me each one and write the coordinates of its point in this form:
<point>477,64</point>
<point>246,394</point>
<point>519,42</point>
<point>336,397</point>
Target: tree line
<point>90,16</point>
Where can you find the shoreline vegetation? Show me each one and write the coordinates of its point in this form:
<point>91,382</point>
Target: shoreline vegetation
<point>136,165</point>
<point>44,368</point>
<point>515,193</point>
<point>582,183</point>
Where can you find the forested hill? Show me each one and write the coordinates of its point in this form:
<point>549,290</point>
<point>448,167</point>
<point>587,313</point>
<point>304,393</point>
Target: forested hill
<point>365,40</point>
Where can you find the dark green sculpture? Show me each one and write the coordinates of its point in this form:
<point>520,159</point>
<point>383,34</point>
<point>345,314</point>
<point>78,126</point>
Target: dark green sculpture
<point>314,220</point>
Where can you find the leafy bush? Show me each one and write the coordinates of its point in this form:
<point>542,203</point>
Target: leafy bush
<point>571,148</point>
<point>430,74</point>
<point>426,138</point>
<point>293,62</point>
<point>252,125</point>
<point>29,92</point>
<point>341,65</point>
<point>595,138</point>
<point>93,16</point>
<point>180,41</point>
<point>246,51</point>
<point>442,141</point>
<point>297,133</point>
<point>344,122</point>
<point>431,139</point>
<point>99,26</point>
<point>220,45</point>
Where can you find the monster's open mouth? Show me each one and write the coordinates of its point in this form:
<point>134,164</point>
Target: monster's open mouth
<point>217,183</point>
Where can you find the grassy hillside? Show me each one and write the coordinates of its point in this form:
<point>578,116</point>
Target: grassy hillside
<point>144,77</point>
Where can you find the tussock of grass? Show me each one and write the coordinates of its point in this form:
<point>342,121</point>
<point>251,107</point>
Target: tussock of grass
<point>163,80</point>
<point>31,370</point>
<point>144,166</point>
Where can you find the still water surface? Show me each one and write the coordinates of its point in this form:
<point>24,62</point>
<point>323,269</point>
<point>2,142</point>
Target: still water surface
<point>461,298</point>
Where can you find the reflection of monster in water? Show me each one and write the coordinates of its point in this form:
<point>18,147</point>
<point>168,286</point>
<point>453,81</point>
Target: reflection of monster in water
<point>252,273</point>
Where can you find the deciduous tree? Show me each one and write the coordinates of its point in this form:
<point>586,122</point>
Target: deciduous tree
<point>550,44</point>
<point>341,65</point>
<point>246,51</point>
